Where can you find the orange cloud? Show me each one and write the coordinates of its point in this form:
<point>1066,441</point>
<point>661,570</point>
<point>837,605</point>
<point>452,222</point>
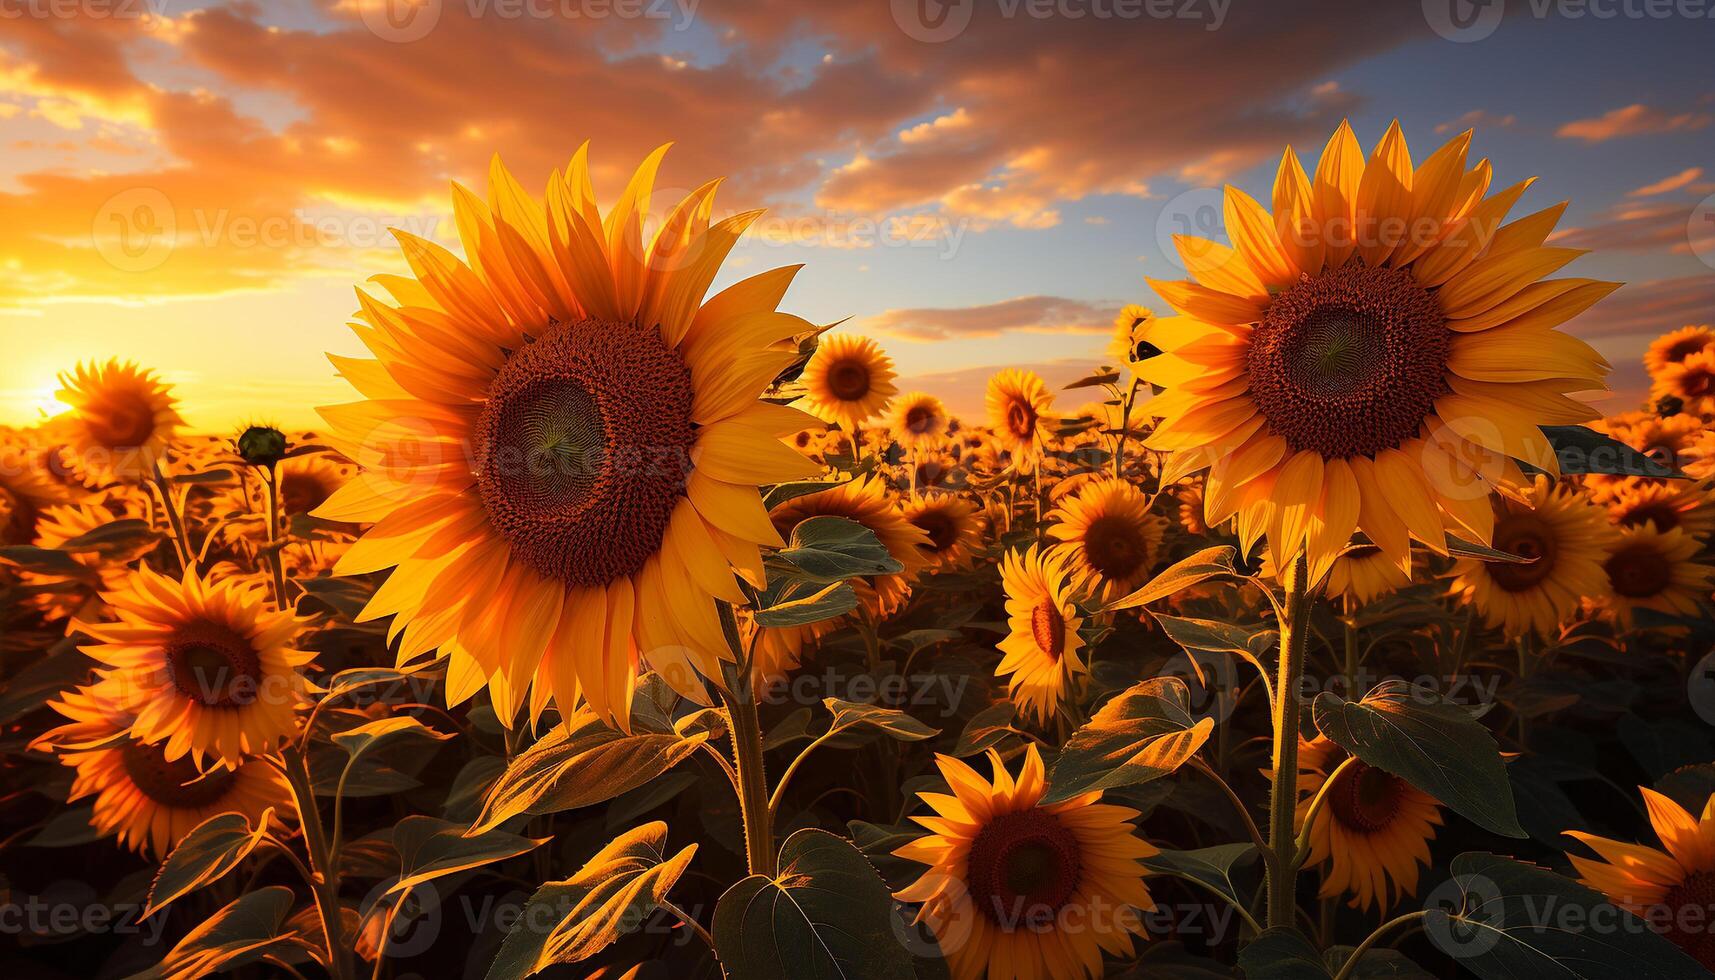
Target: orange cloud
<point>1668,184</point>
<point>1031,314</point>
<point>1633,120</point>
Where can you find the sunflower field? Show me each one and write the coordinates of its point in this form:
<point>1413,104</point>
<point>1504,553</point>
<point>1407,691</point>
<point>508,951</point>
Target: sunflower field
<point>618,626</point>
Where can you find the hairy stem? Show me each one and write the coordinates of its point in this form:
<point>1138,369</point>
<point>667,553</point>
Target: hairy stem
<point>1283,795</point>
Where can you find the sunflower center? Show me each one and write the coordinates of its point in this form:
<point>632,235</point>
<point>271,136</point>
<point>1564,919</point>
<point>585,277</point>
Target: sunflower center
<point>1638,571</point>
<point>1020,419</point>
<point>122,423</point>
<point>1685,348</point>
<point>848,380</point>
<point>176,783</point>
<point>1351,362</point>
<point>1694,896</point>
<point>213,666</point>
<point>1366,798</point>
<point>920,420</point>
<point>1114,546</point>
<point>1526,535</point>
<point>1048,628</point>
<point>942,532</point>
<point>583,449</point>
<point>1024,867</point>
<point>1697,384</point>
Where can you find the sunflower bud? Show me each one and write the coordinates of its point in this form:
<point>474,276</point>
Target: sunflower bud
<point>261,445</point>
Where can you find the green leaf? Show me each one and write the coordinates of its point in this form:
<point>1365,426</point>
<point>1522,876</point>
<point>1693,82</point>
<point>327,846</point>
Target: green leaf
<point>611,896</point>
<point>1143,733</point>
<point>1093,380</point>
<point>1211,867</point>
<point>827,914</point>
<point>782,493</point>
<point>1431,743</point>
<point>584,762</point>
<point>832,549</point>
<point>67,828</point>
<point>120,535</point>
<point>45,561</point>
<point>1202,566</point>
<point>383,731</point>
<point>431,848</point>
<point>898,724</point>
<point>787,604</point>
<point>1503,919</point>
<point>357,678</point>
<point>345,596</point>
<point>1378,964</point>
<point>986,729</point>
<point>1282,953</point>
<point>1210,636</point>
<point>210,850</point>
<point>1584,450</point>
<point>242,932</point>
<point>1460,548</point>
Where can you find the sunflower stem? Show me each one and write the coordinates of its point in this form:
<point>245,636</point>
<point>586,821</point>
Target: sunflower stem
<point>271,500</point>
<point>324,876</point>
<point>1283,795</point>
<point>746,729</point>
<point>176,521</point>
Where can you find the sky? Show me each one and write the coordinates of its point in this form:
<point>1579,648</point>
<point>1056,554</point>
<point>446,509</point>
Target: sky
<point>975,183</point>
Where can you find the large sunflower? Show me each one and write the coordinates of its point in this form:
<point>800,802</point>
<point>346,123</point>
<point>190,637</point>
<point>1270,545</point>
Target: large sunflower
<point>1019,889</point>
<point>953,525</point>
<point>1113,537</point>
<point>1018,405</point>
<point>207,666</point>
<point>1689,382</point>
<point>1567,539</point>
<point>1041,663</point>
<point>562,441</point>
<point>1373,829</point>
<point>121,422</point>
<point>849,379</point>
<point>1664,885</point>
<point>1371,354</point>
<point>867,502</point>
<point>149,801</point>
<point>1676,345</point>
<point>1653,569</point>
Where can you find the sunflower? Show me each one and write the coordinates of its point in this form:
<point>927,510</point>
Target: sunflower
<point>306,482</point>
<point>1371,355</point>
<point>148,800</point>
<point>1649,568</point>
<point>1661,885</point>
<point>1112,536</point>
<point>207,666</point>
<point>63,523</point>
<point>1364,574</point>
<point>1019,889</point>
<point>562,441</point>
<point>121,421</point>
<point>1676,440</point>
<point>1127,344</point>
<point>1567,539</point>
<point>918,420</point>
<point>1675,346</point>
<point>953,525</point>
<point>27,491</point>
<point>1042,644</point>
<point>1666,505</point>
<point>1189,509</point>
<point>1373,830</point>
<point>1690,383</point>
<point>1018,404</point>
<point>850,381</point>
<point>867,502</point>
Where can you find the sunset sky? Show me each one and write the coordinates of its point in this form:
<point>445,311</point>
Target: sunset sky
<point>199,187</point>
